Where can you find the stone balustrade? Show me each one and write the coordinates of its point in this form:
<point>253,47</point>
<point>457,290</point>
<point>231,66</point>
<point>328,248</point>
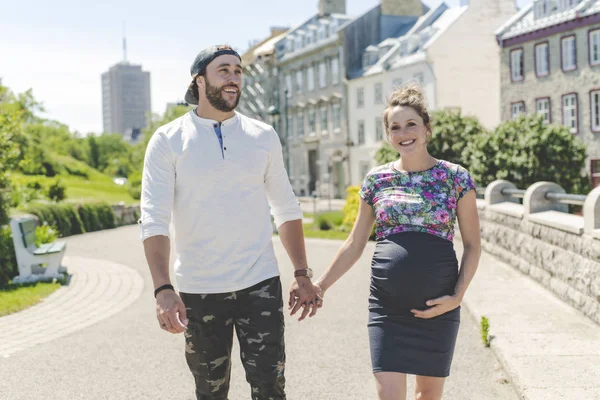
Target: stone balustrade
<point>541,239</point>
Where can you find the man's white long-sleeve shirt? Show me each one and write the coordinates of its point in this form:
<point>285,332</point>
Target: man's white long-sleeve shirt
<point>218,195</point>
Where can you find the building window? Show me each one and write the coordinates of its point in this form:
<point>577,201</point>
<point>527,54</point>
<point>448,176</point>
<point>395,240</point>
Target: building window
<point>516,65</point>
<point>300,124</point>
<point>333,25</point>
<point>321,32</point>
<point>310,78</point>
<point>378,129</point>
<point>312,123</point>
<point>569,53</point>
<point>542,59</point>
<point>290,44</point>
<point>595,165</point>
<point>361,132</point>
<point>570,112</point>
<point>322,74</point>
<point>542,107</point>
<point>378,93</point>
<point>594,40</point>
<point>419,79</point>
<point>299,83</point>
<point>299,41</point>
<point>291,120</point>
<point>335,70</point>
<point>397,83</point>
<point>288,84</point>
<point>337,117</point>
<point>517,109</point>
<point>595,106</point>
<point>324,119</point>
<point>360,97</point>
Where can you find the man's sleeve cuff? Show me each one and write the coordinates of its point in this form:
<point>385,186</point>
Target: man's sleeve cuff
<point>281,219</point>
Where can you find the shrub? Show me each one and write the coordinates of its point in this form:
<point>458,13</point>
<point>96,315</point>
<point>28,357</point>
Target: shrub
<point>323,223</point>
<point>525,151</point>
<point>45,234</point>
<point>134,185</point>
<point>63,216</point>
<point>351,207</point>
<point>57,191</point>
<point>8,260</point>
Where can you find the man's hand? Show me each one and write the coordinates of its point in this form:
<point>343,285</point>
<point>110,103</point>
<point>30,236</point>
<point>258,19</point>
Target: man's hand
<point>306,295</point>
<point>438,306</point>
<point>170,312</point>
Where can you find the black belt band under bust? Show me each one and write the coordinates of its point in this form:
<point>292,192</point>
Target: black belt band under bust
<point>408,269</point>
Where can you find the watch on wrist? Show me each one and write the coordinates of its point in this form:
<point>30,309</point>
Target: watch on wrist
<point>303,272</point>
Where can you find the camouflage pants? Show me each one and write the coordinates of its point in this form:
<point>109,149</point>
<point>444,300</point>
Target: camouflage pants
<point>257,315</point>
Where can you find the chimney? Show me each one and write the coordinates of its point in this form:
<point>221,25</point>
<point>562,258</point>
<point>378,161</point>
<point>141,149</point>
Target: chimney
<point>413,8</point>
<point>327,7</point>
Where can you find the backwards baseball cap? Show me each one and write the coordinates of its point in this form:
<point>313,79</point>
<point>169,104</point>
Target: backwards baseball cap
<point>199,67</point>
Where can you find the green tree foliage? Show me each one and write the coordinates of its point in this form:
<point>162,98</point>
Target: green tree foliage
<point>12,117</point>
<point>525,151</point>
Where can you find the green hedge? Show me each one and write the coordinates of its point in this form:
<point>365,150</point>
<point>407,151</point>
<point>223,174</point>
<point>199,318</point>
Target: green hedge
<point>72,219</point>
<point>8,261</point>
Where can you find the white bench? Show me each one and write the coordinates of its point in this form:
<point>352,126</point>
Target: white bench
<point>30,258</point>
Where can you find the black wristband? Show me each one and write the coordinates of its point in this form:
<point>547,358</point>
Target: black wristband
<point>163,287</point>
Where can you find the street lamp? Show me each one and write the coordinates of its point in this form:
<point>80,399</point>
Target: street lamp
<point>287,133</point>
<point>274,114</point>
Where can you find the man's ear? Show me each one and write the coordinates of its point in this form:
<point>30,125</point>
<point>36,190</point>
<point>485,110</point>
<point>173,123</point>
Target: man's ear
<point>200,81</point>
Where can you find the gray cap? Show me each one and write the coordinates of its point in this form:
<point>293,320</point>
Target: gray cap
<point>199,66</point>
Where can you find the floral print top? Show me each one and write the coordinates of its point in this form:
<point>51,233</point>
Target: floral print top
<point>422,201</point>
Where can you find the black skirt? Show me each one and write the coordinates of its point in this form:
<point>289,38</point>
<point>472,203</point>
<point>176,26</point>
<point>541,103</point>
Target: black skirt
<point>408,269</point>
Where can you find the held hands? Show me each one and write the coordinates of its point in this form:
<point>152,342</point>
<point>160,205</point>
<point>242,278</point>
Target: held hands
<point>170,312</point>
<point>438,306</point>
<point>306,295</point>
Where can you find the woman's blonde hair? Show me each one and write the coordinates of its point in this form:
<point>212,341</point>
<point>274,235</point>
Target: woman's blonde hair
<point>409,96</point>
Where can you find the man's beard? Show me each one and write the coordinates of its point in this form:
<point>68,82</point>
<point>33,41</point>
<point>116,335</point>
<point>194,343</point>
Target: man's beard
<point>215,97</point>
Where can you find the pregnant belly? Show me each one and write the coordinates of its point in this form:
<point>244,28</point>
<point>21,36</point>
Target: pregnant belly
<point>410,268</point>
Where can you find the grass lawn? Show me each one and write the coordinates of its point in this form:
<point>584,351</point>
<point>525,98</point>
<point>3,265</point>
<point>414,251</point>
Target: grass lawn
<point>98,188</point>
<point>311,232</point>
<point>16,297</point>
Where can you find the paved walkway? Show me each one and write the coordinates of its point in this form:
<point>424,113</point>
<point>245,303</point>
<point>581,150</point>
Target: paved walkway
<point>550,350</point>
<point>97,290</point>
<point>98,338</point>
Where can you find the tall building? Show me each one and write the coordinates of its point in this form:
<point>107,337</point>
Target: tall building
<point>260,98</point>
<point>450,51</point>
<point>550,66</point>
<point>125,100</point>
<point>311,100</point>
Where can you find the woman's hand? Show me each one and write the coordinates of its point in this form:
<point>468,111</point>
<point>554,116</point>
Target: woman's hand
<point>438,306</point>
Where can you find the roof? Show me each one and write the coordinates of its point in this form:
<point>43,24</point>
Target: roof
<point>525,22</point>
<point>434,23</point>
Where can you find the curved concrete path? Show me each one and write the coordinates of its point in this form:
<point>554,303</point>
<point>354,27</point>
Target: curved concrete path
<point>97,290</point>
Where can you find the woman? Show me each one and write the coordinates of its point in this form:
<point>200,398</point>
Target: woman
<point>416,287</point>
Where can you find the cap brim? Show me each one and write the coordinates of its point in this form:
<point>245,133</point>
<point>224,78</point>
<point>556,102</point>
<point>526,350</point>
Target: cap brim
<point>189,96</point>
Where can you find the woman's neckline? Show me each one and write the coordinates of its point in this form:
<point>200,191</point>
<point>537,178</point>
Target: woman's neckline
<point>437,162</point>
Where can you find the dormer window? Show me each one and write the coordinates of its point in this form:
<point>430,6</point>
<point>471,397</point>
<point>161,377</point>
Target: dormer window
<point>370,56</point>
<point>333,25</point>
<point>321,32</point>
<point>290,43</point>
<point>403,49</point>
<point>299,40</point>
<point>545,8</point>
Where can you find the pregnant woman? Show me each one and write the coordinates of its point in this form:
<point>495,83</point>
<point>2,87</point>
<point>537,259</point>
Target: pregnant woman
<point>416,283</point>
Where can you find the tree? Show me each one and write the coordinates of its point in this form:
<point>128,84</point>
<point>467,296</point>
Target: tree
<point>451,132</point>
<point>11,121</point>
<point>527,150</point>
<point>94,158</point>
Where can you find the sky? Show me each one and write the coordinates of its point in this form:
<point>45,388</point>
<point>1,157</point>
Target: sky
<point>60,48</point>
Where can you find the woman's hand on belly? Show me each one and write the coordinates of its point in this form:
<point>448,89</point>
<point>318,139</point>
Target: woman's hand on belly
<point>438,306</point>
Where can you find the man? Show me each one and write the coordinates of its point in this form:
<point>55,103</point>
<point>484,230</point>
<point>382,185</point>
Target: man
<point>217,172</point>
